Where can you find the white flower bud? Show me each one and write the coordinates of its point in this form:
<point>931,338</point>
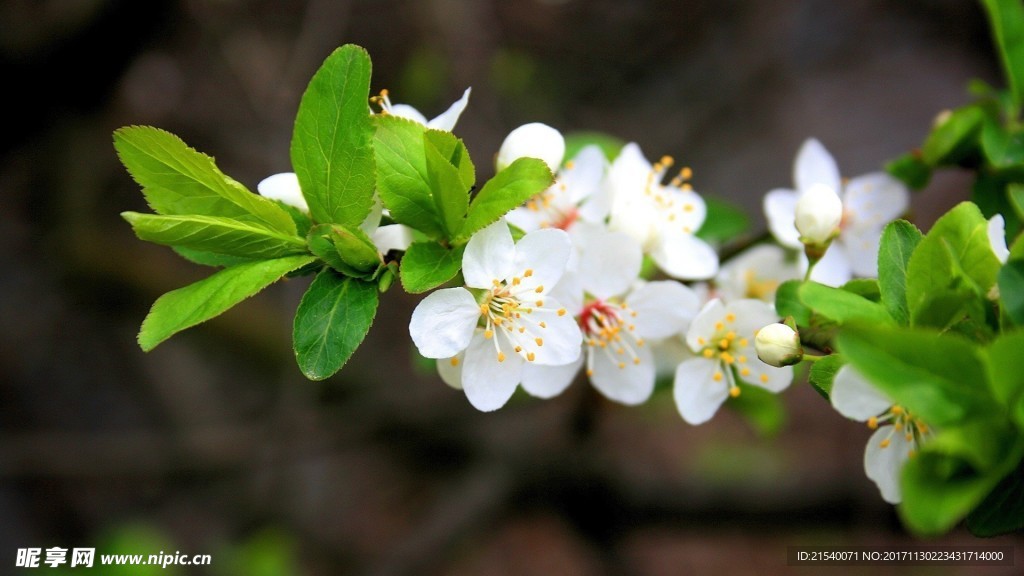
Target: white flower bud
<point>283,187</point>
<point>533,140</point>
<point>778,345</point>
<point>818,214</point>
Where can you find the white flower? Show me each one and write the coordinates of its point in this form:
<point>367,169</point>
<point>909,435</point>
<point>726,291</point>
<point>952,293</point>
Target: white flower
<point>577,195</point>
<point>508,321</point>
<point>869,203</point>
<point>818,213</point>
<point>445,121</point>
<point>283,187</point>
<point>997,237</point>
<point>778,345</point>
<point>662,218</point>
<point>897,432</point>
<point>534,140</point>
<point>722,337</point>
<point>755,273</point>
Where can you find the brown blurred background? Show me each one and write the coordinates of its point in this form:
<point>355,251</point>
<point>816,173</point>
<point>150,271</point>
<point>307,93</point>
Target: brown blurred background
<point>215,444</point>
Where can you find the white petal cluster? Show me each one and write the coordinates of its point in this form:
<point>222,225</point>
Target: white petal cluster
<point>859,208</point>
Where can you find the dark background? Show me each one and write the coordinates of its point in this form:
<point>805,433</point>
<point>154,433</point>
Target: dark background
<point>215,444</point>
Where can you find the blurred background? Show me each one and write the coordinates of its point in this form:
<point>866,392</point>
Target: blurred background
<point>215,444</point>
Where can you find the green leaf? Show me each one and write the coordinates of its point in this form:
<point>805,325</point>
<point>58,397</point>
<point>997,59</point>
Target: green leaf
<point>427,265</point>
<point>788,303</point>
<point>951,270</point>
<point>823,373</point>
<point>1015,195</point>
<point>332,144</point>
<point>1004,149</point>
<point>509,188</point>
<point>954,137</point>
<point>209,258</point>
<point>1006,18</point>
<point>1011,290</point>
<point>196,303</point>
<point>402,178</point>
<point>1006,368</point>
<point>177,180</point>
<point>1002,511</point>
<point>347,250</point>
<point>866,288</point>
<point>724,221</point>
<point>897,244</point>
<point>940,484</point>
<point>451,195</point>
<point>331,321</point>
<point>842,306</point>
<point>911,169</point>
<point>212,234</point>
<point>940,376</point>
<point>454,150</point>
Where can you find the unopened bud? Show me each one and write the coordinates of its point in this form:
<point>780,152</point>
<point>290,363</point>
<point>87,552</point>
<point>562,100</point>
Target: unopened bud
<point>819,212</point>
<point>533,140</point>
<point>778,345</point>
<point>283,187</point>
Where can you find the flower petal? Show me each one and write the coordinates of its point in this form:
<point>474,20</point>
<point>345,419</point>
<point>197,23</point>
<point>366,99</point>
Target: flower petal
<point>997,237</point>
<point>408,112</point>
<point>392,237</point>
<point>487,382</point>
<point>450,370</point>
<point>663,308</point>
<point>833,269</point>
<point>703,325</point>
<point>584,176</point>
<point>762,375</point>
<point>618,377</point>
<point>873,200</point>
<point>490,255</point>
<point>780,211</point>
<point>533,140</point>
<point>698,396</point>
<point>755,273</point>
<point>443,323</point>
<point>610,261</point>
<point>884,465</point>
<point>446,120</point>
<point>285,188</point>
<point>684,256</point>
<point>854,397</point>
<point>814,165</point>
<point>559,336</point>
<point>861,248</point>
<point>549,381</point>
<point>751,315</point>
<point>545,252</point>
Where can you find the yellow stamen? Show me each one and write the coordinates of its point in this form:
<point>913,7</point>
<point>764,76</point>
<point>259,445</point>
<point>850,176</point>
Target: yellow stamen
<point>561,311</point>
<point>873,422</point>
<point>454,361</point>
<point>488,334</point>
<point>530,356</point>
<point>501,357</point>
<point>764,378</point>
<point>528,273</point>
<point>734,391</point>
<point>539,341</point>
<point>717,376</point>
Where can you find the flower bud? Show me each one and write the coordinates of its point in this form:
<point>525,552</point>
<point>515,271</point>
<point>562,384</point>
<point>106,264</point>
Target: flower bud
<point>283,187</point>
<point>533,140</point>
<point>818,214</point>
<point>778,345</point>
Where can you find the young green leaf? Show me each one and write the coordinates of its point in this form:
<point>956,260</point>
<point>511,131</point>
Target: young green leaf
<point>454,150</point>
<point>347,250</point>
<point>897,244</point>
<point>1003,148</point>
<point>402,177</point>
<point>331,321</point>
<point>951,270</point>
<point>196,303</point>
<point>823,373</point>
<point>451,196</point>
<point>217,235</point>
<point>332,145</point>
<point>866,288</point>
<point>911,169</point>
<point>209,258</point>
<point>177,180</point>
<point>939,376</point>
<point>1011,290</point>
<point>842,306</point>
<point>1006,18</point>
<point>509,188</point>
<point>953,137</point>
<point>427,265</point>
<point>1006,368</point>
